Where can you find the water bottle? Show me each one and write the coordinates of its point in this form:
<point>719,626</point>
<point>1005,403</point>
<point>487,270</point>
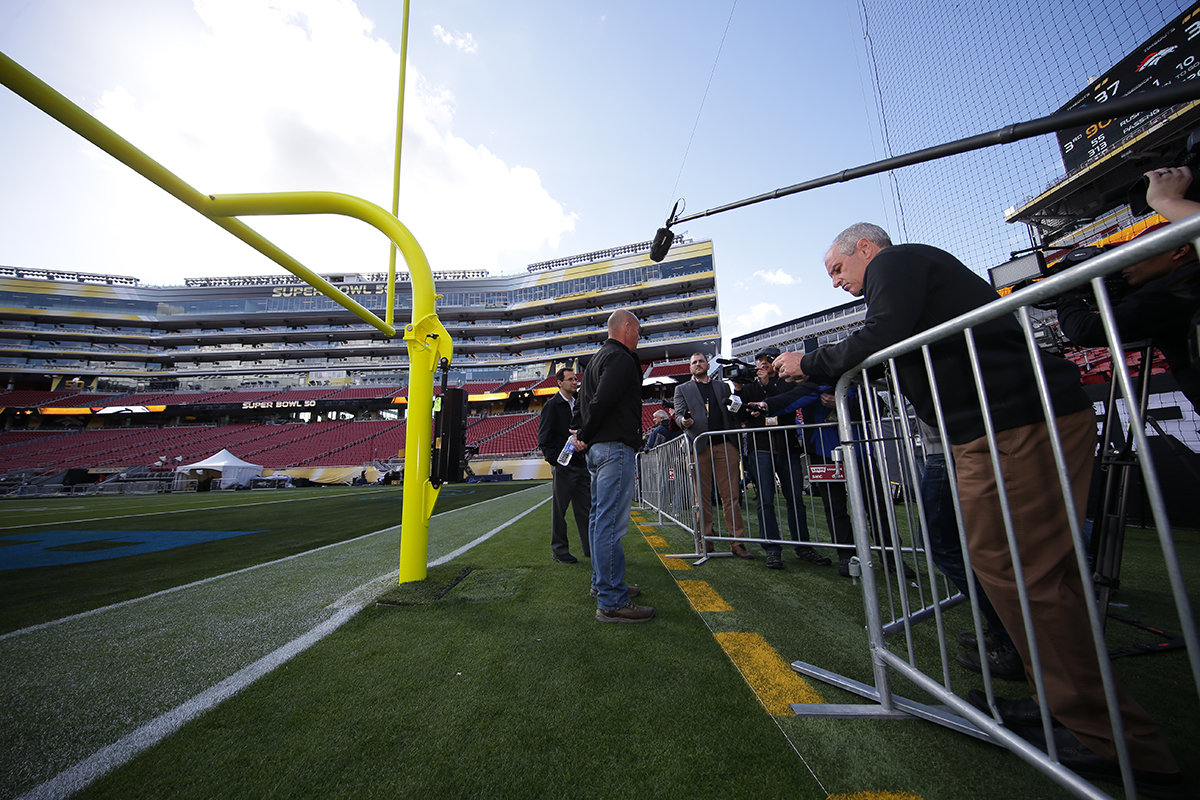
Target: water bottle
<point>564,458</point>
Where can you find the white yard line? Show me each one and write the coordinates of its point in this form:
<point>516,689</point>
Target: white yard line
<point>80,774</point>
<point>203,581</point>
<point>189,510</point>
<point>69,781</point>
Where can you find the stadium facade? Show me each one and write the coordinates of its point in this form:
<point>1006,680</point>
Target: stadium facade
<point>113,334</point>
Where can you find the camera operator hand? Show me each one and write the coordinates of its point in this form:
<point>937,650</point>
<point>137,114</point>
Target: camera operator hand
<point>787,366</point>
<point>1166,192</point>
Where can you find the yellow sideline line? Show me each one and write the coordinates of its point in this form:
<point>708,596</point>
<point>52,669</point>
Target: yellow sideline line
<point>769,676</point>
<point>703,597</point>
<point>773,680</point>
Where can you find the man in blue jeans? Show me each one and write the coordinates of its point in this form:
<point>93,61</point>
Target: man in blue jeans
<point>609,421</point>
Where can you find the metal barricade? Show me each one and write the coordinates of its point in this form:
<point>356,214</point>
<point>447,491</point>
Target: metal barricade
<point>868,467</point>
<point>772,499</point>
<point>666,484</point>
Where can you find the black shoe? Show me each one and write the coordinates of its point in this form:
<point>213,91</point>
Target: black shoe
<point>812,556</point>
<point>774,560</point>
<point>1003,660</point>
<point>567,559</point>
<point>908,571</point>
<point>1073,755</point>
<point>1015,713</point>
<point>969,642</point>
<point>844,569</point>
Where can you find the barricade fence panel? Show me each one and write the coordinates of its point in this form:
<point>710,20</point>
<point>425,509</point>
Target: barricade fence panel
<point>1001,512</point>
<point>994,520</point>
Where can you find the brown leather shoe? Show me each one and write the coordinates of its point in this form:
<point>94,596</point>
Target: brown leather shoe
<point>740,551</point>
<point>626,613</point>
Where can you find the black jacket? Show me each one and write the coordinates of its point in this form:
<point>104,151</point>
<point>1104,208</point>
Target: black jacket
<point>608,407</point>
<point>911,288</point>
<point>754,392</point>
<point>554,426</point>
<point>1161,311</point>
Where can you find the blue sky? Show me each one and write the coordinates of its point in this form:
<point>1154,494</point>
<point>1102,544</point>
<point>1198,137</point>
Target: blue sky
<point>534,130</point>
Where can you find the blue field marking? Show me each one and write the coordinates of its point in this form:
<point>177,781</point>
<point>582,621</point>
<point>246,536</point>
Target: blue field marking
<point>21,551</point>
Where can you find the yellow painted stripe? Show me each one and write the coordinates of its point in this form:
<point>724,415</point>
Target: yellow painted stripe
<point>657,541</point>
<point>770,677</point>
<point>636,516</point>
<point>703,597</point>
<point>876,796</point>
<point>673,563</point>
<point>645,528</point>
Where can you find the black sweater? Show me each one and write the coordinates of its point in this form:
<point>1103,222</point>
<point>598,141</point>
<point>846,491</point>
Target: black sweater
<point>911,288</point>
<point>609,404</point>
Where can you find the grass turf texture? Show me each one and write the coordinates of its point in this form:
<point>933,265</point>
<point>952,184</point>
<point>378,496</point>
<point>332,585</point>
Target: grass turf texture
<point>524,695</point>
<point>521,697</point>
<point>294,521</point>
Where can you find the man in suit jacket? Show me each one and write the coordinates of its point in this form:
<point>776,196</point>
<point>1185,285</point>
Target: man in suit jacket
<point>572,483</point>
<point>700,408</point>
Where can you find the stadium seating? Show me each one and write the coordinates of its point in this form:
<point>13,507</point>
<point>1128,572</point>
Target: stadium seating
<point>518,437</point>
<point>80,400</point>
<point>294,395</point>
<point>142,399</point>
<point>663,370</point>
<point>364,393</point>
<point>28,398</point>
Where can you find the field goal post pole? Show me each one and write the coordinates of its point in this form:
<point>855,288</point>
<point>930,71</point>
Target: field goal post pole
<point>427,339</point>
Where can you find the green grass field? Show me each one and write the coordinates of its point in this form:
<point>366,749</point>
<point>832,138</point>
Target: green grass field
<point>489,679</point>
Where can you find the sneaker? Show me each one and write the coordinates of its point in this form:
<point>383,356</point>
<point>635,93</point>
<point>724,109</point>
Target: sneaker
<point>774,560</point>
<point>1003,660</point>
<point>626,613</point>
<point>812,556</point>
<point>634,591</point>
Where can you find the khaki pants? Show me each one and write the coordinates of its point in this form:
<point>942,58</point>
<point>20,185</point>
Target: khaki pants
<point>720,463</point>
<point>1056,599</point>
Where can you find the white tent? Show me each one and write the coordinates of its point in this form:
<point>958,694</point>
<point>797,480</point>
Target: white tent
<point>231,469</point>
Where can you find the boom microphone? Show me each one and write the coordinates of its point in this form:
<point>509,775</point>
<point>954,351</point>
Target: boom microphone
<point>663,239</point>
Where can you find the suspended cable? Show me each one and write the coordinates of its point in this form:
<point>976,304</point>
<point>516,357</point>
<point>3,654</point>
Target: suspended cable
<point>700,111</point>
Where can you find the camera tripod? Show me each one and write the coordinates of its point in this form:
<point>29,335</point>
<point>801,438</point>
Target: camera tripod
<point>1118,466</point>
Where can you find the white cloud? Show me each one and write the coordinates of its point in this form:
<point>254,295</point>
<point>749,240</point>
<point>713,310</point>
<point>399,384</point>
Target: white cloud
<point>466,44</point>
<point>757,317</point>
<point>778,277</point>
<point>295,95</point>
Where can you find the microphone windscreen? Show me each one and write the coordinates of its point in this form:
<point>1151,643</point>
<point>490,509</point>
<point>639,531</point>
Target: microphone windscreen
<point>662,243</point>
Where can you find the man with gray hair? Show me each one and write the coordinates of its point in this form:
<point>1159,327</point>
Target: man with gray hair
<point>911,288</point>
<point>608,417</point>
